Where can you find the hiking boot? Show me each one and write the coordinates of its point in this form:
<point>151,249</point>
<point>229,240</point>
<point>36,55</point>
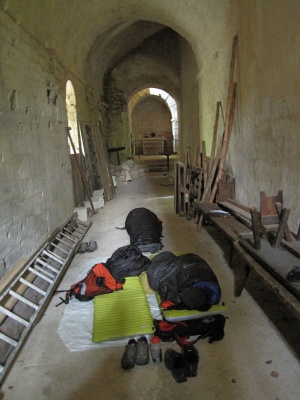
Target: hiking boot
<point>91,246</point>
<point>142,351</point>
<point>191,356</point>
<point>83,248</point>
<point>129,356</point>
<point>175,362</point>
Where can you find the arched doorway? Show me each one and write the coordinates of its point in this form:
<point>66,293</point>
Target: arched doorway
<point>153,122</point>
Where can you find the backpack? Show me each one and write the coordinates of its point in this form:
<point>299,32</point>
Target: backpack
<point>97,281</point>
<point>127,261</point>
<point>211,326</point>
<point>144,229</point>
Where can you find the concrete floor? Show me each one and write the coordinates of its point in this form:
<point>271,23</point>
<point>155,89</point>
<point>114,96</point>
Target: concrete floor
<point>253,361</point>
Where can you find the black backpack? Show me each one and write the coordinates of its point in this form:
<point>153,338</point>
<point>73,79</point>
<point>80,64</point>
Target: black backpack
<point>127,261</point>
<point>211,327</point>
<point>144,229</point>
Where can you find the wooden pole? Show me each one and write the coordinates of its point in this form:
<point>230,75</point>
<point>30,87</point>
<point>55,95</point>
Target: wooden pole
<point>211,176</point>
<point>214,140</point>
<point>204,162</point>
<point>232,89</point>
<point>81,173</point>
<point>227,134</point>
<point>102,159</point>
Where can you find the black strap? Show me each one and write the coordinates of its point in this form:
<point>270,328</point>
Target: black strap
<point>66,301</point>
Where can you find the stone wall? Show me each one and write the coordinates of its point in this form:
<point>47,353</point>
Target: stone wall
<point>36,194</point>
<point>151,115</point>
<point>264,149</point>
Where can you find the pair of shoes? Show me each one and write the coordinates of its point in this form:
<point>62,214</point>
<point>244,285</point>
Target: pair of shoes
<point>182,365</point>
<point>87,247</point>
<point>136,352</point>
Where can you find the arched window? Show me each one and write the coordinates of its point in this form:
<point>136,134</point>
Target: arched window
<point>72,115</point>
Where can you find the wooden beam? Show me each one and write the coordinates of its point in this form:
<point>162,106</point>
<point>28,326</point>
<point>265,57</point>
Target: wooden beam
<point>204,162</point>
<point>255,228</point>
<point>282,226</point>
<point>231,99</point>
<point>102,158</point>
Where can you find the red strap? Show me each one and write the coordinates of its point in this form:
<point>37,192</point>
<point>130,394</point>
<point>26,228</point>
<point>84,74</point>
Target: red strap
<point>182,341</point>
<point>167,304</point>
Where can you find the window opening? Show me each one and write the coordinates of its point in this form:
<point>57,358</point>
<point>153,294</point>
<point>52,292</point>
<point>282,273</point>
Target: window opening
<point>72,117</point>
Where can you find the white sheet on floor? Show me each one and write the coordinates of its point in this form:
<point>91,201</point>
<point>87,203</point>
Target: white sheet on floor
<point>76,326</point>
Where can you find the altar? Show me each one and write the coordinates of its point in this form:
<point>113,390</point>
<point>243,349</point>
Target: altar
<point>153,146</point>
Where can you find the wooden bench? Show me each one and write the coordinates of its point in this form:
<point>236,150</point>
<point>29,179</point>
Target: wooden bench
<point>272,264</point>
<point>224,221</point>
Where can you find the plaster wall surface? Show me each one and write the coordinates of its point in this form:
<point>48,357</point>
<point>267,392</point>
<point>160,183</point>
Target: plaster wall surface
<point>264,149</point>
<point>76,23</point>
<point>35,176</point>
<point>151,115</point>
<point>188,117</point>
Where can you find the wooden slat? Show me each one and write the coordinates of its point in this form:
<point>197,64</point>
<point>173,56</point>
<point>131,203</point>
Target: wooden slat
<point>214,138</point>
<point>268,211</point>
<point>204,162</point>
<point>103,161</point>
<point>277,261</point>
<point>282,226</point>
<point>231,100</point>
<point>231,207</point>
<point>283,294</point>
<point>255,228</point>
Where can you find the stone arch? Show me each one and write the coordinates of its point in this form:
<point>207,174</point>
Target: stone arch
<point>165,129</point>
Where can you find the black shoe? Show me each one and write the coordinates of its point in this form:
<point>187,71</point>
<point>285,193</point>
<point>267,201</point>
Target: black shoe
<point>175,362</point>
<point>191,357</point>
<point>142,351</point>
<point>129,356</point>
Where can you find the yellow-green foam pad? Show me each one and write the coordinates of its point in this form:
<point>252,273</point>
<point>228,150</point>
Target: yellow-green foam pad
<point>121,314</point>
<point>184,315</point>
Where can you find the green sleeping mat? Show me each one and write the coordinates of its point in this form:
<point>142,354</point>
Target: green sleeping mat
<point>184,315</point>
<point>121,314</point>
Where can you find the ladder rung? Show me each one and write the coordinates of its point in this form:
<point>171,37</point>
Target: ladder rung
<point>71,232</point>
<point>21,298</point>
<point>77,227</point>
<point>40,275</point>
<point>37,289</point>
<point>65,243</point>
<point>8,340</point>
<point>54,256</point>
<point>68,237</point>
<point>14,316</point>
<point>46,263</point>
<point>55,245</point>
<point>43,270</point>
